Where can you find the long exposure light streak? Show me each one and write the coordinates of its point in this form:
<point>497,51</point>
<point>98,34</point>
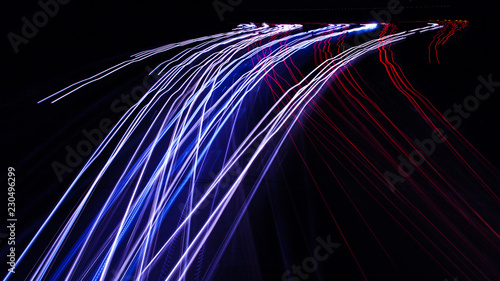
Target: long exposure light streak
<point>168,143</point>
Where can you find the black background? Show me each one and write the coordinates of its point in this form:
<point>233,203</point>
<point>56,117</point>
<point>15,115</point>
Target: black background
<point>88,36</point>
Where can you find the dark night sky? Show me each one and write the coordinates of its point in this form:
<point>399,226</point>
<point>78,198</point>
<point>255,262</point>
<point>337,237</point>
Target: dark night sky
<point>85,37</point>
<point>86,32</point>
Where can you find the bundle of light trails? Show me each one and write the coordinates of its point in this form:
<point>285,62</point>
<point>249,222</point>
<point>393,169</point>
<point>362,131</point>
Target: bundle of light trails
<point>233,100</point>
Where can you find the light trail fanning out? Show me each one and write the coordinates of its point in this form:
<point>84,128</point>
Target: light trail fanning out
<point>188,130</point>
